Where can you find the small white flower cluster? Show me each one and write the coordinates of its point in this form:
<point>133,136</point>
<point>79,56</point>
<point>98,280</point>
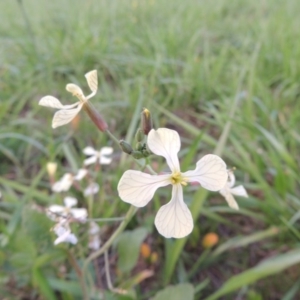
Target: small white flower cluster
<point>173,219</point>
<point>63,216</point>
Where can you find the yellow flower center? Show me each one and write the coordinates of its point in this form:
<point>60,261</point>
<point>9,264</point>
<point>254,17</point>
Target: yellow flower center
<point>176,178</point>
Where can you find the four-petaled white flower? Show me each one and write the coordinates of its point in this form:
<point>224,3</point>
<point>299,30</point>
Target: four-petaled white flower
<point>67,113</point>
<point>228,191</point>
<point>67,180</point>
<point>64,234</point>
<point>98,156</point>
<point>60,213</point>
<point>173,219</point>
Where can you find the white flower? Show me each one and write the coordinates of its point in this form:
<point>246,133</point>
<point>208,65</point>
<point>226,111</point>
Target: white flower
<point>64,234</point>
<point>67,113</point>
<point>98,156</point>
<point>94,239</point>
<point>63,213</point>
<point>92,189</point>
<point>228,191</point>
<point>173,219</point>
<point>67,180</point>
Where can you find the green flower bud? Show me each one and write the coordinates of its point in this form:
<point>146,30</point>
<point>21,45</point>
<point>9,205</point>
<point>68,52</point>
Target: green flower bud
<point>137,154</point>
<point>139,146</point>
<point>126,147</point>
<point>139,136</point>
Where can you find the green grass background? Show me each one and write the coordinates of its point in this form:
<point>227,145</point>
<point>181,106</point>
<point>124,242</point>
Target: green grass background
<point>197,65</point>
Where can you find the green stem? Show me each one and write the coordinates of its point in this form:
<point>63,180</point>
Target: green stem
<point>117,219</point>
<point>113,137</point>
<point>130,213</point>
<point>79,273</point>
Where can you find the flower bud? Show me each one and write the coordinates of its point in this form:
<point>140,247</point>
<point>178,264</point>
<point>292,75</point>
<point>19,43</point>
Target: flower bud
<point>139,146</point>
<point>95,117</point>
<point>137,154</point>
<point>51,168</point>
<point>125,147</point>
<point>139,136</point>
<point>146,121</point>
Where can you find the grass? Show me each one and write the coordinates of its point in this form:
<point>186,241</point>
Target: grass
<point>189,62</point>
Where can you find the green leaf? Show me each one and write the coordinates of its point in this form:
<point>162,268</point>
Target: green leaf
<point>266,268</point>
<point>128,246</point>
<point>41,282</point>
<point>181,291</point>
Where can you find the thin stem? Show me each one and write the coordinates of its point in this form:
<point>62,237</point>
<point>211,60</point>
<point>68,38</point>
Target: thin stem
<point>130,213</point>
<point>151,170</point>
<point>113,137</point>
<point>117,219</point>
<point>107,273</point>
<point>79,273</point>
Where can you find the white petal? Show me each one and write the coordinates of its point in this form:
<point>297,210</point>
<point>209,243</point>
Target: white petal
<point>92,81</point>
<point>79,214</point>
<point>75,90</point>
<point>94,242</point>
<point>70,201</point>
<point>231,179</point>
<point>80,174</point>
<point>54,212</point>
<point>210,172</point>
<point>64,234</point>
<point>165,142</point>
<point>50,101</point>
<point>174,219</point>
<point>138,188</point>
<point>65,116</point>
<point>63,184</point>
<point>89,151</point>
<point>94,228</point>
<point>231,201</point>
<point>105,160</point>
<point>90,160</point>
<point>92,189</point>
<point>106,151</point>
<point>239,191</point>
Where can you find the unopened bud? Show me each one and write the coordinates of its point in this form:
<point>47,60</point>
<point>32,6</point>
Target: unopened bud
<point>51,168</point>
<point>95,117</point>
<point>146,121</point>
<point>139,146</point>
<point>139,136</point>
<point>137,154</point>
<point>126,147</point>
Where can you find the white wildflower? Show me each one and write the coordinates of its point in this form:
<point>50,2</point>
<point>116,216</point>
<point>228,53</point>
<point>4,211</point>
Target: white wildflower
<point>62,213</point>
<point>100,157</point>
<point>173,219</point>
<point>228,191</point>
<point>94,239</point>
<point>67,180</point>
<point>67,113</point>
